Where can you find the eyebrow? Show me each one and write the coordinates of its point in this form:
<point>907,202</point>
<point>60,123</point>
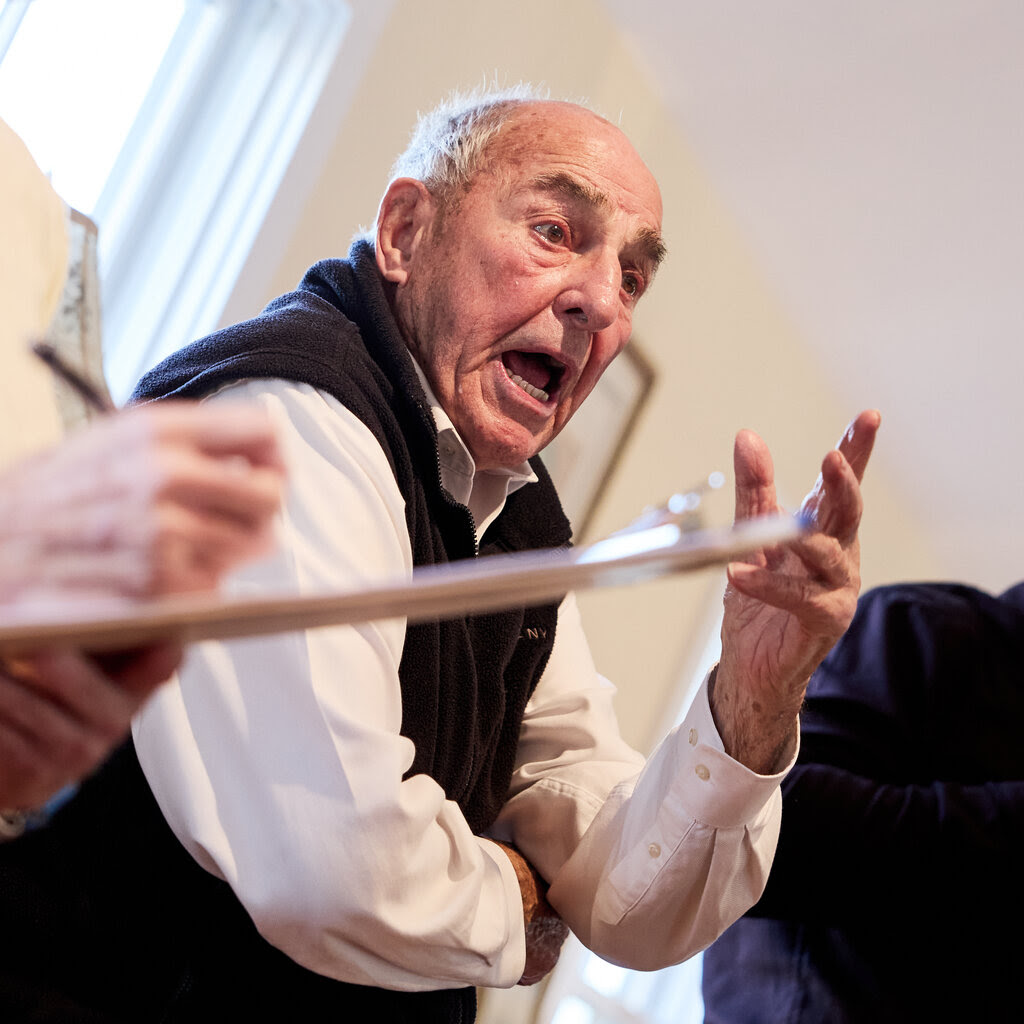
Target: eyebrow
<point>652,248</point>
<point>647,242</point>
<point>570,187</point>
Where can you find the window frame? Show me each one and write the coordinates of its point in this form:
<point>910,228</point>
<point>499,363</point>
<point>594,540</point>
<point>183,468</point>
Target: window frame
<point>233,96</point>
<point>228,142</point>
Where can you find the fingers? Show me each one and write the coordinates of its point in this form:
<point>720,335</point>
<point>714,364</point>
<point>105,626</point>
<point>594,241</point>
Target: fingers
<point>816,577</point>
<point>59,717</point>
<point>140,549</point>
<point>157,499</point>
<point>755,477</point>
<point>201,552</point>
<point>822,596</point>
<point>140,671</point>
<point>77,685</point>
<point>858,441</point>
<point>222,460</point>
<point>229,489</point>
<point>834,505</point>
<point>218,431</point>
<point>216,484</point>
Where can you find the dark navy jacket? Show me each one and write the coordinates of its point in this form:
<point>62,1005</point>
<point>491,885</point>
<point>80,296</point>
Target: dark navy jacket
<point>898,886</point>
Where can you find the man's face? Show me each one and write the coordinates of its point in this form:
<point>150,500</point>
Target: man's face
<point>522,291</point>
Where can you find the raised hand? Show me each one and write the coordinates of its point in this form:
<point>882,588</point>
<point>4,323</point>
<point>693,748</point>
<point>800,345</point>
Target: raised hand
<point>786,606</point>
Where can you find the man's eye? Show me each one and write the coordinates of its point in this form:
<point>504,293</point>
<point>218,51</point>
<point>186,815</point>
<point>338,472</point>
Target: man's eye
<point>632,284</point>
<point>552,232</point>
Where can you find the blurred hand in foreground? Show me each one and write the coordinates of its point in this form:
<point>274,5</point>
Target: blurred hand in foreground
<point>152,501</point>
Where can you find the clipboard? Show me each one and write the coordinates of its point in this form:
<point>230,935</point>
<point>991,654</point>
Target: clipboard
<point>475,585</point>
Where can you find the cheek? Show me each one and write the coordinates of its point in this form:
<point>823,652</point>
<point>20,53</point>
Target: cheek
<point>515,271</point>
<point>604,350</point>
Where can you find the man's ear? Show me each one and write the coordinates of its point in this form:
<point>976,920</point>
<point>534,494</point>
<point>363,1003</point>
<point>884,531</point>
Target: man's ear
<point>406,213</point>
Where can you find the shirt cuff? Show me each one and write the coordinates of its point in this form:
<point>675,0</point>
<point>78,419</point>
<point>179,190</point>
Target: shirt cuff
<point>715,788</point>
<point>509,966</point>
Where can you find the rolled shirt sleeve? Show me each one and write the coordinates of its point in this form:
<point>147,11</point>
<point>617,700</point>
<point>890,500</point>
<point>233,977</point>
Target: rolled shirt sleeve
<point>647,863</point>
<point>278,762</point>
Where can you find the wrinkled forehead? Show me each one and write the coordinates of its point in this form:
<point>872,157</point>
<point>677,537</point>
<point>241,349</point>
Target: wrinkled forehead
<point>550,136</point>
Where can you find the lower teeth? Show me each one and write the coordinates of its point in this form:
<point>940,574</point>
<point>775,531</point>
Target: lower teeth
<point>526,386</point>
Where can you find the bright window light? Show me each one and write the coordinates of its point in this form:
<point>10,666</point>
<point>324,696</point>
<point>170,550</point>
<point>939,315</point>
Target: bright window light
<point>574,1011</point>
<point>73,80</point>
<point>171,124</point>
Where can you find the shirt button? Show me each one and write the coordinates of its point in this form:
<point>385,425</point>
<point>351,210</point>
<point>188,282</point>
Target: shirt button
<point>693,737</point>
<point>703,772</point>
<point>654,850</point>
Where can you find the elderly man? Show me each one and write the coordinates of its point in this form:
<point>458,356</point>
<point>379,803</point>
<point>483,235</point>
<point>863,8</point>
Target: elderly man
<point>315,806</point>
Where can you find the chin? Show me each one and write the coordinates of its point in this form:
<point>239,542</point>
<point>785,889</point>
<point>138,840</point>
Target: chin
<point>506,453</point>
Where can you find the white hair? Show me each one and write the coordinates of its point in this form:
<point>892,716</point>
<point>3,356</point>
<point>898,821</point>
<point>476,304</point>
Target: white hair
<point>448,142</point>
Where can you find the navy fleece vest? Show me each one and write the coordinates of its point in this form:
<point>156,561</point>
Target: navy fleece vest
<point>118,917</point>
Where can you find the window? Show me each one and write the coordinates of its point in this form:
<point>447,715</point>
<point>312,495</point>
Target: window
<point>171,123</point>
<point>48,77</point>
<point>587,990</point>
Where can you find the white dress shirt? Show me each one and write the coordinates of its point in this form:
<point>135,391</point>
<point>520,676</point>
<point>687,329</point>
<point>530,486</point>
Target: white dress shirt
<point>278,763</point>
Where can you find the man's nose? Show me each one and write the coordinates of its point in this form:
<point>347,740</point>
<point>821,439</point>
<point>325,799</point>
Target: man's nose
<point>591,297</point>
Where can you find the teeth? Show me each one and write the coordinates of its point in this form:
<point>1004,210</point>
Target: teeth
<point>526,386</point>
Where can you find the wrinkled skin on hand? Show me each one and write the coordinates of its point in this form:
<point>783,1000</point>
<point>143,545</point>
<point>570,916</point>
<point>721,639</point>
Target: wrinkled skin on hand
<point>785,607</point>
<point>545,930</point>
<point>62,712</point>
<point>153,501</point>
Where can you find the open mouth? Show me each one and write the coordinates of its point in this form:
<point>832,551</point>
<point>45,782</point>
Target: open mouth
<point>537,374</point>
